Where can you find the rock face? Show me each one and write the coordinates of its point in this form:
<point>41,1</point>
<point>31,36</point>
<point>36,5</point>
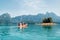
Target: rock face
<point>5,18</point>
<point>48,24</point>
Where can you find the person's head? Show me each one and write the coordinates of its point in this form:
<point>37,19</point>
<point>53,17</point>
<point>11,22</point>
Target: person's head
<point>24,23</point>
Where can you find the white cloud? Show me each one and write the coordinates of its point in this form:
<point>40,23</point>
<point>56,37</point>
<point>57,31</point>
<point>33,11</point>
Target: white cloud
<point>33,4</point>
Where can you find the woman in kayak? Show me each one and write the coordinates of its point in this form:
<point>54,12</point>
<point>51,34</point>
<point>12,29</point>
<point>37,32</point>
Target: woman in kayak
<point>22,25</point>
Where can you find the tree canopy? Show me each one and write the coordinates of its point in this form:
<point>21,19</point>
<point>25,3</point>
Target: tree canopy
<point>47,20</point>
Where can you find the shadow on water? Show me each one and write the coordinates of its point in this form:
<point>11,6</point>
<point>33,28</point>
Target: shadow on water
<point>47,27</point>
<point>20,30</point>
<point>49,31</point>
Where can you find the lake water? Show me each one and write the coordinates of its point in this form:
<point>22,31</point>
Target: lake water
<point>32,32</point>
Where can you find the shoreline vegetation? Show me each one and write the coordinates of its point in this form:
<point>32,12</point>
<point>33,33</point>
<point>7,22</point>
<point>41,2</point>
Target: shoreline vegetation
<point>48,24</point>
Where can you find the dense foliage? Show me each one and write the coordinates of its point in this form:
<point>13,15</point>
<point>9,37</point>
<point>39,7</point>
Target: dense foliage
<point>47,20</point>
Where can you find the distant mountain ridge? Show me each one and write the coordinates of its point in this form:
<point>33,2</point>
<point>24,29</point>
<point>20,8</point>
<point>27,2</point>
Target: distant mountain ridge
<point>5,18</point>
<point>37,18</point>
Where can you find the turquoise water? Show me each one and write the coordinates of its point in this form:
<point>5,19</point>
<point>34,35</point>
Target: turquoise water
<point>32,32</point>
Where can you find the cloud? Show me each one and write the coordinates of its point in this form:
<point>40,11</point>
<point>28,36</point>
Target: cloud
<point>26,7</point>
<point>34,6</point>
<point>31,4</point>
<point>31,7</point>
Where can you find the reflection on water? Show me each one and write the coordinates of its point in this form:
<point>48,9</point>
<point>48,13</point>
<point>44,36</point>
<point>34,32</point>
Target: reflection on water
<point>51,32</point>
<point>47,27</point>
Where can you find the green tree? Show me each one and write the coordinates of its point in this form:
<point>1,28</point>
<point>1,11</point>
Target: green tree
<point>47,20</point>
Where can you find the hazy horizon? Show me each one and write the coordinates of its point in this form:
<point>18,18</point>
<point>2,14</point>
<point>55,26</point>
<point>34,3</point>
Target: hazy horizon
<point>29,7</point>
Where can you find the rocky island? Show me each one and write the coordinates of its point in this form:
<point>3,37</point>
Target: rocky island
<point>47,21</point>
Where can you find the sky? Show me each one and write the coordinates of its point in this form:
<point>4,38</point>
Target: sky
<point>29,7</point>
